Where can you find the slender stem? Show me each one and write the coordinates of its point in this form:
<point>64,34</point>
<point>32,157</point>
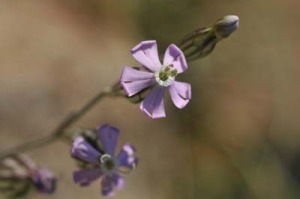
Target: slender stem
<point>28,145</point>
<point>60,130</point>
<point>74,117</point>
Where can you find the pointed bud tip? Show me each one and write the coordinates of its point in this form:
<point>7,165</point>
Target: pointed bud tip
<point>231,18</point>
<point>226,26</point>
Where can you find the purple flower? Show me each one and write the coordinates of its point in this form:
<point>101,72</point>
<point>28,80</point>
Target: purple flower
<point>43,179</point>
<point>157,75</point>
<point>21,169</point>
<point>104,164</point>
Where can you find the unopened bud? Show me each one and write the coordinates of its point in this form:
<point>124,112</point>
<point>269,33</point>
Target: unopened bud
<point>198,44</point>
<point>226,26</point>
<point>201,42</point>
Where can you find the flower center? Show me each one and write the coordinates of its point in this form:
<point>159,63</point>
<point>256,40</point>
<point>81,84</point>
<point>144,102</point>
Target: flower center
<point>108,164</point>
<point>165,76</point>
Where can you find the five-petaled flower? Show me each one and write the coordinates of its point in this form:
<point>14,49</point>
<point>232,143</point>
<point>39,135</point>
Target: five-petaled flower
<point>157,75</point>
<point>103,163</point>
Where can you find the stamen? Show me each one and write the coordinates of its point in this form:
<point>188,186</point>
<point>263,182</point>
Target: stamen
<point>108,163</point>
<point>173,73</point>
<point>167,69</point>
<point>165,76</point>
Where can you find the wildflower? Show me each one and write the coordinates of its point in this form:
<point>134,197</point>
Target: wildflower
<point>43,179</point>
<point>159,77</point>
<point>20,173</point>
<point>104,163</point>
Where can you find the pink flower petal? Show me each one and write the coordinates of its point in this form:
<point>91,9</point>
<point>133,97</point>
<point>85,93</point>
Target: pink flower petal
<point>174,56</point>
<point>153,104</point>
<point>146,53</point>
<point>180,93</point>
<point>133,80</point>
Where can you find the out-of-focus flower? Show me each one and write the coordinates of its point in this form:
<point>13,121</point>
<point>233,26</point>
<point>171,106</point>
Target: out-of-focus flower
<point>103,162</point>
<point>159,77</point>
<point>43,179</point>
<point>19,174</point>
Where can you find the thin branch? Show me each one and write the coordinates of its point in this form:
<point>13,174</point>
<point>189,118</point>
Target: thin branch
<point>61,128</point>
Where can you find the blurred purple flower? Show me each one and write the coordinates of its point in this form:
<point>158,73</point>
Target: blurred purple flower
<point>157,75</point>
<point>43,179</point>
<point>20,173</point>
<point>105,164</point>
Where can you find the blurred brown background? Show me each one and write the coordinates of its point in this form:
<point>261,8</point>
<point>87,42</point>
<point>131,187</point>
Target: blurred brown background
<point>237,139</point>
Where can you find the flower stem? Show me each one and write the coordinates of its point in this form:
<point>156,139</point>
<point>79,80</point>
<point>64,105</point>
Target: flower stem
<point>28,145</point>
<point>60,130</point>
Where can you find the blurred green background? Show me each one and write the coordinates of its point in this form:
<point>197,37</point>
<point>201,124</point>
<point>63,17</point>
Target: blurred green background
<point>239,137</point>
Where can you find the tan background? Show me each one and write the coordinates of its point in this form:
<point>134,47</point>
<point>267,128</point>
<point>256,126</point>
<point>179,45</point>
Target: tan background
<point>238,137</point>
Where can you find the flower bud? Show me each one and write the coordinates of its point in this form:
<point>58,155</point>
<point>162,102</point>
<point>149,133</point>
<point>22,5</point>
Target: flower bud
<point>201,42</point>
<point>226,26</point>
<point>198,44</point>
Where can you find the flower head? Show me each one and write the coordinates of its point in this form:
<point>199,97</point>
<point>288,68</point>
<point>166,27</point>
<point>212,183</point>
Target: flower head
<point>159,77</point>
<point>103,163</point>
<point>19,173</point>
<point>43,179</point>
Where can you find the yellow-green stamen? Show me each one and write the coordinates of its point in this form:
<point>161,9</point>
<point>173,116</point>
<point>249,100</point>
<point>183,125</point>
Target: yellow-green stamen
<point>166,73</point>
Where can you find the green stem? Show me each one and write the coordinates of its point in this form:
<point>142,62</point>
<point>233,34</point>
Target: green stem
<point>61,128</point>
